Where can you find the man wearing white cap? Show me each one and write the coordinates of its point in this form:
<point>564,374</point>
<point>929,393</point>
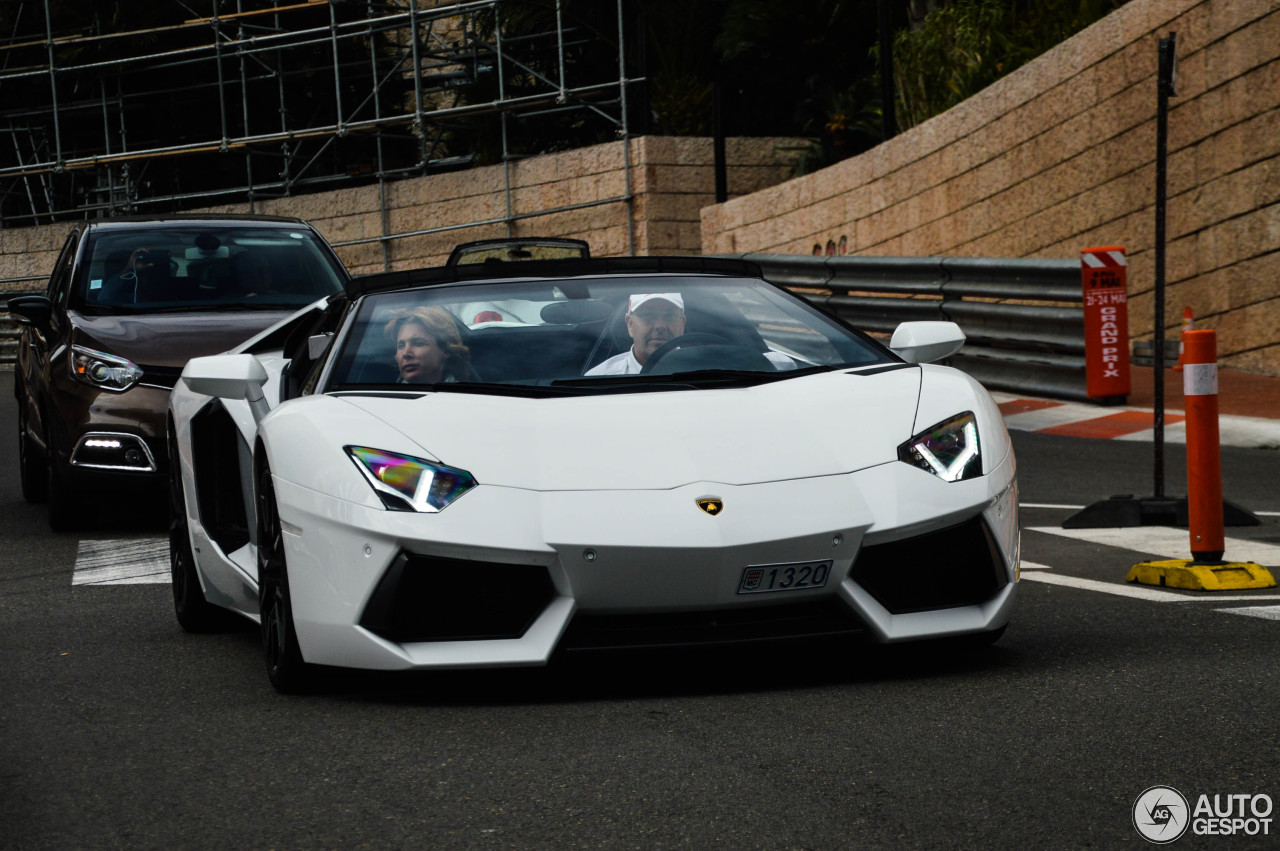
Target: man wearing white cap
<point>652,319</point>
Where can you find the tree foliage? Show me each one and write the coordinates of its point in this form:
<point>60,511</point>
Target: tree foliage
<point>806,68</point>
<point>143,71</point>
<point>966,45</point>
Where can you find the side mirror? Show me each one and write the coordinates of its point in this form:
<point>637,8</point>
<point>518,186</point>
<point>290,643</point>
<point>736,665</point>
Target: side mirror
<point>237,377</point>
<point>31,310</point>
<point>925,342</point>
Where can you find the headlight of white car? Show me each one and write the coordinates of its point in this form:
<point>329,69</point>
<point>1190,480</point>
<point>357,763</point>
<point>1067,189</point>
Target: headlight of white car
<point>949,449</point>
<point>102,370</point>
<point>405,483</point>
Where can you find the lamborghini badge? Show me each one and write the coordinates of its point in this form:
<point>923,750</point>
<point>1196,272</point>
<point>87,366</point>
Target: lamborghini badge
<point>711,505</point>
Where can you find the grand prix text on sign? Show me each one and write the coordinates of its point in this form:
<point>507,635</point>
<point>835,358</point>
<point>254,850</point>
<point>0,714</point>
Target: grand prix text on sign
<point>1106,321</point>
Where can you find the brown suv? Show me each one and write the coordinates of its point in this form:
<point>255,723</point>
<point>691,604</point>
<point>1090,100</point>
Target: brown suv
<point>129,302</point>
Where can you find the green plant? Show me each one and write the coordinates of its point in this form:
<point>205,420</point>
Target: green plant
<point>965,46</point>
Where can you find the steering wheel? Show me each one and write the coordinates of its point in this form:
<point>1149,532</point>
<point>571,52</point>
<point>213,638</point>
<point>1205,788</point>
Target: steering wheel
<point>697,338</point>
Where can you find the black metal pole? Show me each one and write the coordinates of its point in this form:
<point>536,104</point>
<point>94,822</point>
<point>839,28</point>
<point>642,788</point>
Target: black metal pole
<point>718,152</point>
<point>887,111</point>
<point>1165,87</point>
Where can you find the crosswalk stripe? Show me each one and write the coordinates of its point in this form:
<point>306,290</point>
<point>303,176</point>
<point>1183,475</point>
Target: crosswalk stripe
<point>140,561</point>
<point>1141,592</point>
<point>1271,613</point>
<point>1166,542</point>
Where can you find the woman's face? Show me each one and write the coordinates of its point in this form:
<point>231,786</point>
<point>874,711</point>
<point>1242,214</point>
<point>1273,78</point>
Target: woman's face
<point>419,357</point>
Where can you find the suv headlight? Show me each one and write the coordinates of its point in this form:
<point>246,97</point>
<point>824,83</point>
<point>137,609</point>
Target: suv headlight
<point>102,370</point>
<point>405,483</point>
<point>949,449</point>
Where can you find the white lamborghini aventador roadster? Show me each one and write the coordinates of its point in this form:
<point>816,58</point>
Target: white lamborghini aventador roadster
<point>671,451</point>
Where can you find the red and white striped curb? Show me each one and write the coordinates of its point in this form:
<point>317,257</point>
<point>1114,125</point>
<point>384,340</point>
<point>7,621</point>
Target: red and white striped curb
<point>1074,419</point>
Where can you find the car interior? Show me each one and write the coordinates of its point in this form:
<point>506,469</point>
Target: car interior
<point>278,274</point>
<point>577,335</point>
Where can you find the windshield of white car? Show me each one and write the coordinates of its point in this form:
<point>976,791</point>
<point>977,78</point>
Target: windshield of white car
<point>189,268</point>
<point>622,333</point>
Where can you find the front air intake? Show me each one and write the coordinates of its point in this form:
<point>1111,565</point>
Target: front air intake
<point>424,598</point>
<point>958,566</point>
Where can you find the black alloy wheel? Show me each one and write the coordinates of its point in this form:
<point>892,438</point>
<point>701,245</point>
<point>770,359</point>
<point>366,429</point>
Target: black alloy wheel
<point>288,673</point>
<point>194,612</point>
<point>32,467</point>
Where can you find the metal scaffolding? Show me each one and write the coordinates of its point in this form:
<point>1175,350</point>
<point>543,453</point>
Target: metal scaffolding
<point>271,98</point>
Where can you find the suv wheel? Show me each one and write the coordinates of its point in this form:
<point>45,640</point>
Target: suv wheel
<point>63,502</point>
<point>32,467</point>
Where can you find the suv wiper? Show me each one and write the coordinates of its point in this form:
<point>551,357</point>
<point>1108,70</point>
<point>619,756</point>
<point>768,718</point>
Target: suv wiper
<point>220,306</point>
<point>199,307</point>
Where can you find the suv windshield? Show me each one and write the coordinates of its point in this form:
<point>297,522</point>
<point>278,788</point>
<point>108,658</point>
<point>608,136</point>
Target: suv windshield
<point>196,267</point>
<point>580,334</point>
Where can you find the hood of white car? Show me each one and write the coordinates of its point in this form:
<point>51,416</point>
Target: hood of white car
<point>815,425</point>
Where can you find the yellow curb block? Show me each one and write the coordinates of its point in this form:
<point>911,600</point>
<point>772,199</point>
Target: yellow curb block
<point>1182,573</point>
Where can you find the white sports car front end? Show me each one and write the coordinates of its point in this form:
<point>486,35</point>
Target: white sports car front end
<point>782,476</point>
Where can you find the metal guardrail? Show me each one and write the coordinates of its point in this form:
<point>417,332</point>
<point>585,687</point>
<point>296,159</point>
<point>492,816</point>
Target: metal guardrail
<point>1023,318</point>
<point>9,331</point>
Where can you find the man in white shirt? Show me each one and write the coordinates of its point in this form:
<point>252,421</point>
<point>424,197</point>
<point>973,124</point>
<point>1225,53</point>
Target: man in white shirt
<point>652,319</point>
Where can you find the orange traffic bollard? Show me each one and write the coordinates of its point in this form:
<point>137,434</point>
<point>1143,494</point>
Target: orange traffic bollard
<point>1206,571</point>
<point>1204,456</point>
<point>1188,322</point>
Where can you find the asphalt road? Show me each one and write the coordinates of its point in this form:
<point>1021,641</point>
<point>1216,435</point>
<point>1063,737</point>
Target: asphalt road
<point>118,730</point>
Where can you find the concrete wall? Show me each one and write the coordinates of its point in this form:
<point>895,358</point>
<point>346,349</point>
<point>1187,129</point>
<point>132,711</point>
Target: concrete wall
<point>671,180</point>
<point>1060,155</point>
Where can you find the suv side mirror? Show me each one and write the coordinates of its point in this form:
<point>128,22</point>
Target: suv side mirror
<point>31,310</point>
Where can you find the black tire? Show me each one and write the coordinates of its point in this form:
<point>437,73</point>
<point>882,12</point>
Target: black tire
<point>194,612</point>
<point>288,673</point>
<point>63,503</point>
<point>32,466</point>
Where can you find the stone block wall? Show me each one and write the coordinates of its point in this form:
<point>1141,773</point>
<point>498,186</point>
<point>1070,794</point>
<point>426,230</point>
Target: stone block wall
<point>1060,155</point>
<point>671,180</point>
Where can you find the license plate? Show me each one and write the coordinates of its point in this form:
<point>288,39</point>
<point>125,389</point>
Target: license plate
<point>796,576</point>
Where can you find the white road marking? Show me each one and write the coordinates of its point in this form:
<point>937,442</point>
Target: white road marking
<point>1140,592</point>
<point>1143,592</point>
<point>1172,543</point>
<point>134,561</point>
<point>1079,507</point>
<point>1031,565</point>
<point>1271,613</point>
